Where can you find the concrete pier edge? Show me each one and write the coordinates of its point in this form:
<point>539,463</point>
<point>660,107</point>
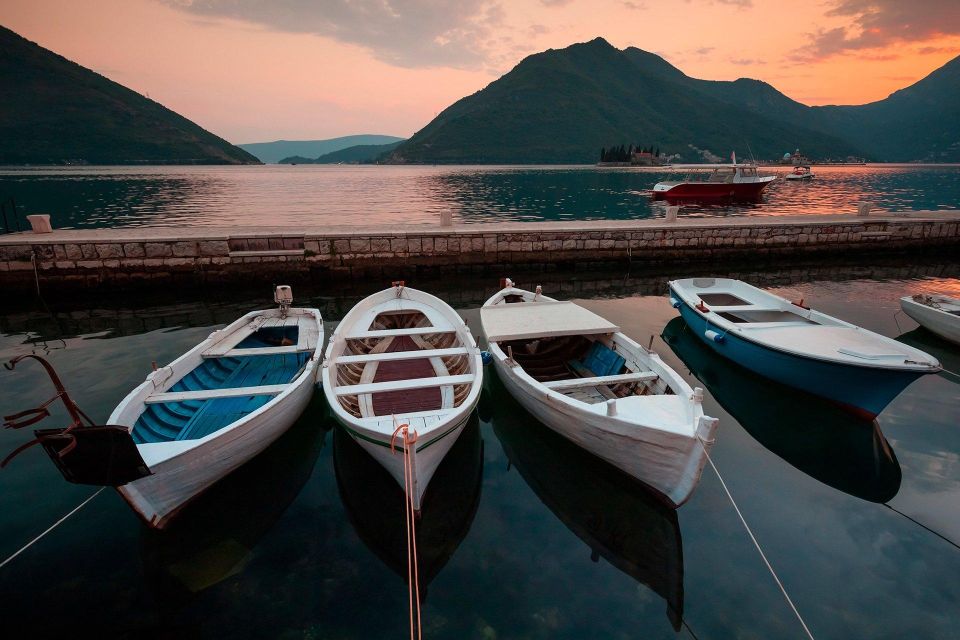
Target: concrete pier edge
<point>145,257</point>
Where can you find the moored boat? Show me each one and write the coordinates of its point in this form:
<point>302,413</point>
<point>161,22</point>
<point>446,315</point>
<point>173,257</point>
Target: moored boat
<point>802,348</point>
<point>713,182</point>
<point>583,378</point>
<point>936,313</point>
<point>220,404</point>
<point>403,357</point>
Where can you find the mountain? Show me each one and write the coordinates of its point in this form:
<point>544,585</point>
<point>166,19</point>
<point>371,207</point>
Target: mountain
<point>564,105</point>
<point>272,152</point>
<point>918,123</point>
<point>54,111</point>
<point>358,154</point>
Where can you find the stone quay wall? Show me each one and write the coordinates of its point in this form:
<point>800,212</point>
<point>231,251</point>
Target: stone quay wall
<point>153,256</point>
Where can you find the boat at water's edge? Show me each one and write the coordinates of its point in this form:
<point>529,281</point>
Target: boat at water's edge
<point>792,344</point>
<point>578,374</point>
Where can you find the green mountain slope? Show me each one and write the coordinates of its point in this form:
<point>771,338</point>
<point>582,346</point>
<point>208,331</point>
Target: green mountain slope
<point>918,123</point>
<point>563,105</point>
<point>361,153</point>
<point>55,111</point>
<point>281,150</point>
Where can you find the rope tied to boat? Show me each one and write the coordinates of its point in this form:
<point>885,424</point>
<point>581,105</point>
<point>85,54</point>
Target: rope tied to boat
<point>50,528</point>
<point>413,579</point>
<point>753,538</point>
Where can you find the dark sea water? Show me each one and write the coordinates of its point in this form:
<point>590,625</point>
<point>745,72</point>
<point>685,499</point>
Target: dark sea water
<point>523,535</point>
<point>358,195</point>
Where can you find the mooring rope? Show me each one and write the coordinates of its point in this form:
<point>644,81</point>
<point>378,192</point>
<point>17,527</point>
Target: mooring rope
<point>51,528</point>
<point>413,577</point>
<point>746,526</point>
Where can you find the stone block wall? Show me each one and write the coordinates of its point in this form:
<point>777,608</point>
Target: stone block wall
<point>94,258</point>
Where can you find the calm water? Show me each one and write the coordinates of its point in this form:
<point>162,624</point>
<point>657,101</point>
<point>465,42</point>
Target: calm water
<point>524,536</point>
<point>357,195</point>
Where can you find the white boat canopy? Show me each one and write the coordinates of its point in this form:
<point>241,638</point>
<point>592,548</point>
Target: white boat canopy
<point>542,320</point>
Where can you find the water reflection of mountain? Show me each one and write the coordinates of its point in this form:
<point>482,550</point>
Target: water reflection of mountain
<point>214,536</point>
<point>374,503</point>
<point>946,352</point>
<point>827,444</point>
<point>618,518</point>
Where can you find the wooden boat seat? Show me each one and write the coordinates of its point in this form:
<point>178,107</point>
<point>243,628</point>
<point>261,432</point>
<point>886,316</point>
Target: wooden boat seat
<point>403,385</point>
<point>387,333</point>
<point>260,351</point>
<point>403,355</point>
<point>206,394</point>
<point>581,383</point>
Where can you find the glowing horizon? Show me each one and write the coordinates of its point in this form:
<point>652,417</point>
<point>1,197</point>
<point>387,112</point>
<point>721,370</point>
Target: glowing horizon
<point>253,71</point>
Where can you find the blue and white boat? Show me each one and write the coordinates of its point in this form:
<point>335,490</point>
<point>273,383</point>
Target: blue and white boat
<point>220,404</point>
<point>797,346</point>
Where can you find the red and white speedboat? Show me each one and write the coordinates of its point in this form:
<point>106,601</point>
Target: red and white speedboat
<point>713,182</point>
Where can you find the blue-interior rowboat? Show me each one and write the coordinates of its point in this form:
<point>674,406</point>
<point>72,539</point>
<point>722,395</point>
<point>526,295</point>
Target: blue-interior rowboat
<point>794,345</point>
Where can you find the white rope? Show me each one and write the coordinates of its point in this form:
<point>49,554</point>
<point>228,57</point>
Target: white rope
<point>945,370</point>
<point>51,528</point>
<point>755,543</point>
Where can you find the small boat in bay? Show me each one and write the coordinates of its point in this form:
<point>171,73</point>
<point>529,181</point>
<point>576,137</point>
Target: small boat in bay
<point>936,313</point>
<point>220,404</point>
<point>800,172</point>
<point>788,342</point>
<point>402,357</point>
<point>712,182</point>
<point>583,378</point>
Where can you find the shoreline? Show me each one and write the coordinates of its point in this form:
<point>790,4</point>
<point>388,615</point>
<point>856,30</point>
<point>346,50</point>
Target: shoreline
<point>150,257</point>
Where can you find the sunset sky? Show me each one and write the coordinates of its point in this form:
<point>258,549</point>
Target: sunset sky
<point>253,71</point>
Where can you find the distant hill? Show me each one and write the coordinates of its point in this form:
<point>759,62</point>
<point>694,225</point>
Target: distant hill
<point>53,111</point>
<point>359,154</point>
<point>564,105</point>
<point>272,152</point>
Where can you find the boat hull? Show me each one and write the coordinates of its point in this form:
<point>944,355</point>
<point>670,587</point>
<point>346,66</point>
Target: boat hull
<point>864,391</point>
<point>944,324</point>
<point>175,482</point>
<point>431,448</point>
<point>712,191</point>
<point>668,463</point>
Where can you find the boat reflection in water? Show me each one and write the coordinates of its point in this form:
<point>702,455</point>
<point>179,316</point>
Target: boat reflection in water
<point>946,352</point>
<point>620,519</point>
<point>213,537</point>
<point>375,505</point>
<point>830,445</point>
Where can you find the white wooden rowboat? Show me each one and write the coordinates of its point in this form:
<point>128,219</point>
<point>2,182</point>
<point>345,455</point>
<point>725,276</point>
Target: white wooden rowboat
<point>220,404</point>
<point>403,357</point>
<point>578,374</point>
<point>797,346</point>
<point>937,313</point>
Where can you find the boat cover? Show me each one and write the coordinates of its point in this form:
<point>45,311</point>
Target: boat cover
<point>524,320</point>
